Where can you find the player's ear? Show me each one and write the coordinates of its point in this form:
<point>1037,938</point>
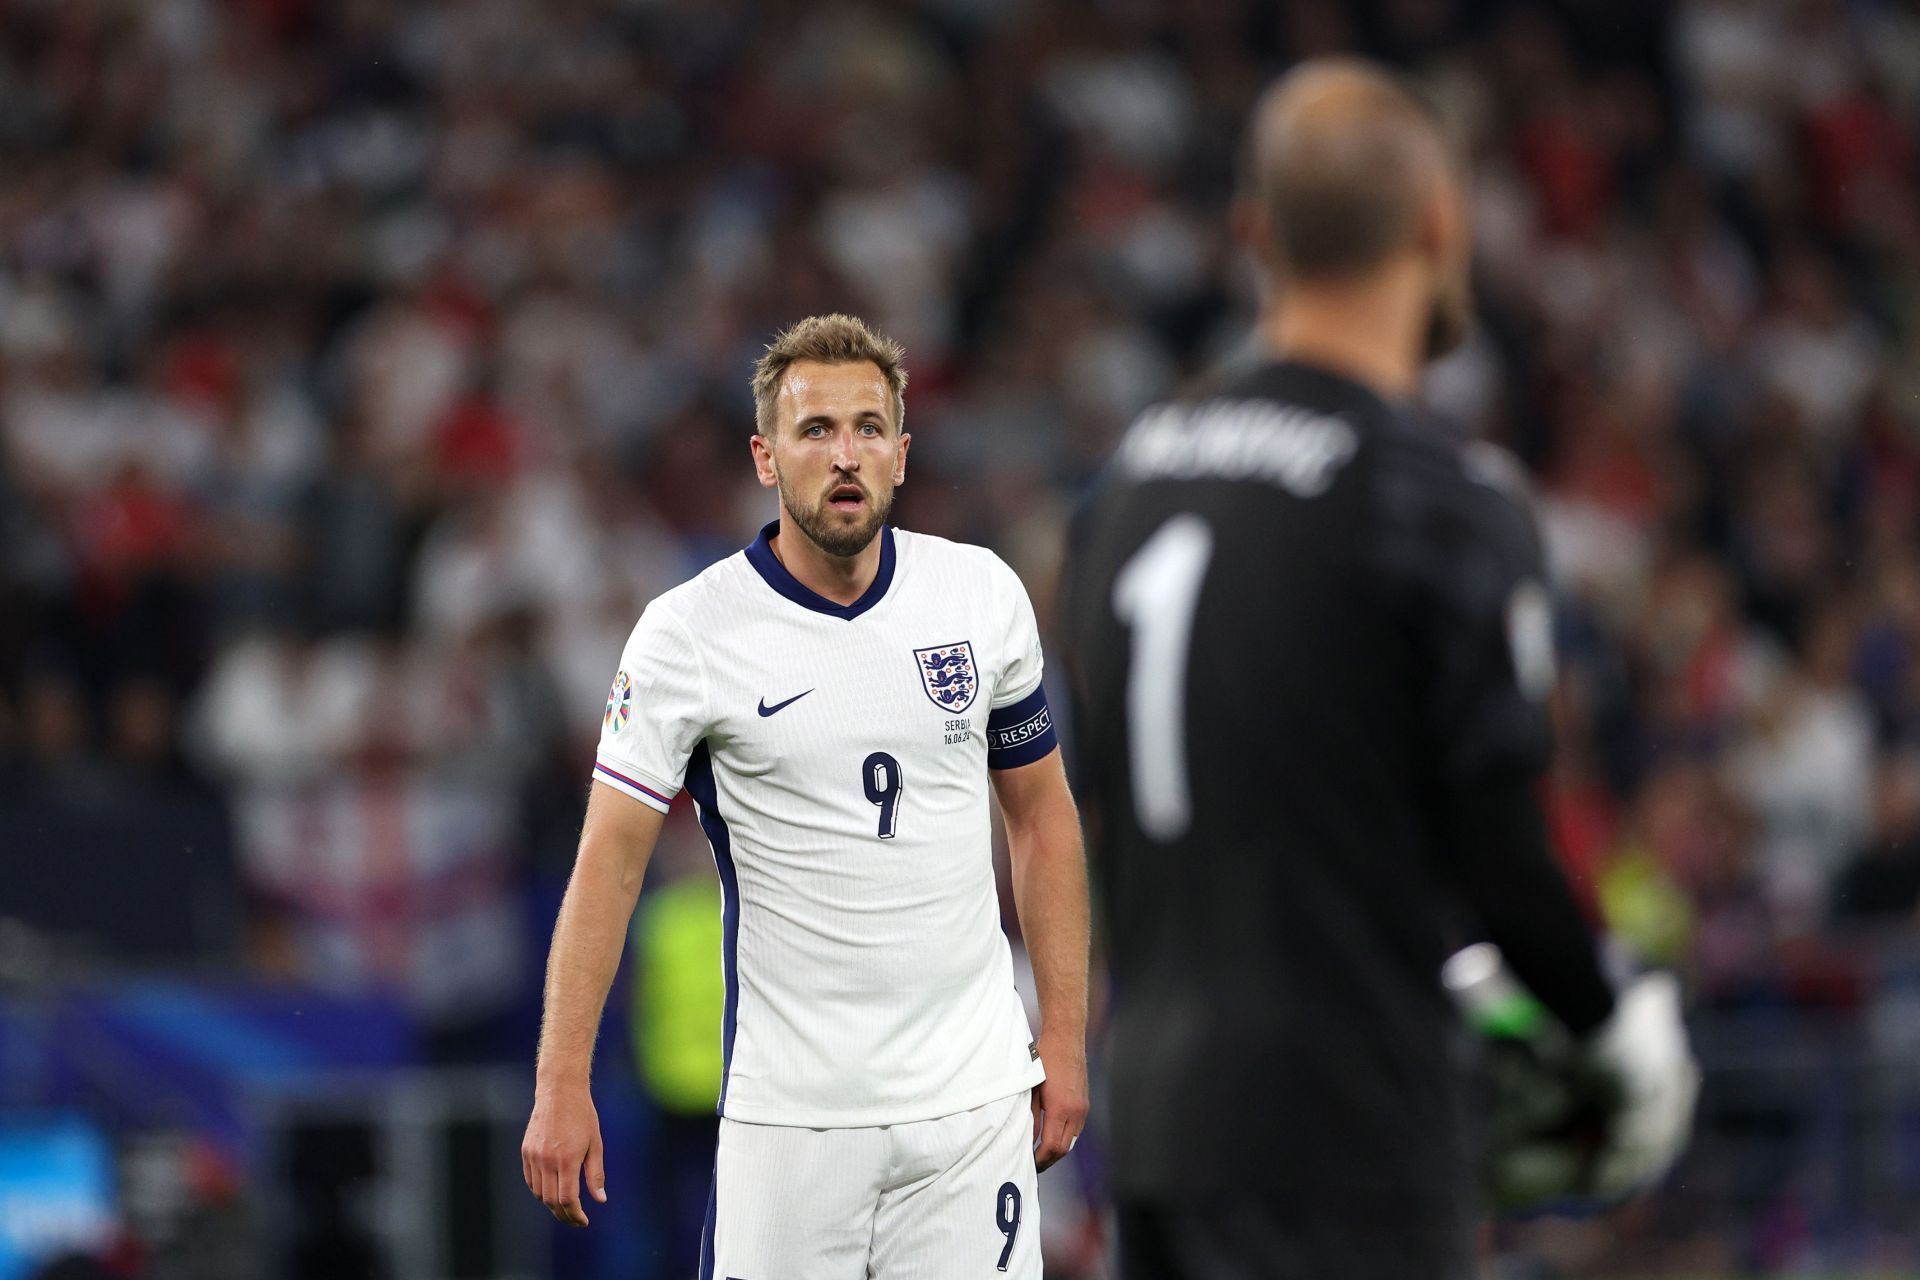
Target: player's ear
<point>763,460</point>
<point>1441,234</point>
<point>1253,230</point>
<point>900,460</point>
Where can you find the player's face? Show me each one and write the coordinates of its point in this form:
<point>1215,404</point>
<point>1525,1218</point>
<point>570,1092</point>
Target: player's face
<point>835,454</point>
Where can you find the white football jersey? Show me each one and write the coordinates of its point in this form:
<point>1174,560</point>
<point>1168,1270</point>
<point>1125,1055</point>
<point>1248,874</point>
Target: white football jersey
<point>838,758</point>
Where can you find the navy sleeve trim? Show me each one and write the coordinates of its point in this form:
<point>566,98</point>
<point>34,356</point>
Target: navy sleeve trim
<point>1021,733</point>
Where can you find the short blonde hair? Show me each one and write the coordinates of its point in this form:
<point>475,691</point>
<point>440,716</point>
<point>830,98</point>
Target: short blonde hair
<point>829,339</point>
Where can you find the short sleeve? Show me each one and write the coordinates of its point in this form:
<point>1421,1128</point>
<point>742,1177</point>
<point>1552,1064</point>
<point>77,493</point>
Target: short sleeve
<point>655,712</point>
<point>1020,725</point>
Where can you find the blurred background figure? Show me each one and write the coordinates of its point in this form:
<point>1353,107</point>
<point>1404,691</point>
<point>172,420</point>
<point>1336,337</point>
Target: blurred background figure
<point>678,998</point>
<point>365,367</point>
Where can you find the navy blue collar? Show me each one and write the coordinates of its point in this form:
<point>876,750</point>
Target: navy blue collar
<point>760,556</point>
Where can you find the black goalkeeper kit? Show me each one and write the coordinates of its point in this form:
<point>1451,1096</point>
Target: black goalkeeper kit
<point>1310,648</point>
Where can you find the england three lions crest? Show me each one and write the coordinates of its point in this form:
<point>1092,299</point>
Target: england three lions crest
<point>948,674</point>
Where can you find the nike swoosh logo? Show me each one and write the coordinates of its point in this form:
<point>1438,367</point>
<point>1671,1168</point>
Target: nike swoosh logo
<point>766,710</point>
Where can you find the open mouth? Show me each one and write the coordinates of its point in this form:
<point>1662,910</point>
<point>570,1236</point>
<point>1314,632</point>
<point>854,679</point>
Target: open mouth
<point>847,497</point>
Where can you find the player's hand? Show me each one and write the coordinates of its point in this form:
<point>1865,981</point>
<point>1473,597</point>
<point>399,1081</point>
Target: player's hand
<point>562,1137</point>
<point>1060,1101</point>
<point>1644,1047</point>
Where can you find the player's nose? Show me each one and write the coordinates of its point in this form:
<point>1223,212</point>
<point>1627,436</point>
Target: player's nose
<point>845,456</point>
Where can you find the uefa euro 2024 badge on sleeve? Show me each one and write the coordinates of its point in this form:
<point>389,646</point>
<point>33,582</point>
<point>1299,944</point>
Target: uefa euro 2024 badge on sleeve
<point>619,703</point>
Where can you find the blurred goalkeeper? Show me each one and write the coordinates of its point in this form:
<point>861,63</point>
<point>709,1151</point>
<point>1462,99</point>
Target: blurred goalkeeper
<point>1312,650</point>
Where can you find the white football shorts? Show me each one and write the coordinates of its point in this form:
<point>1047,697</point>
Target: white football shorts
<point>929,1200</point>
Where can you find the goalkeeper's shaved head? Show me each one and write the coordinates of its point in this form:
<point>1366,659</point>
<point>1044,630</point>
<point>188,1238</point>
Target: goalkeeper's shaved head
<point>1344,168</point>
<point>1342,157</point>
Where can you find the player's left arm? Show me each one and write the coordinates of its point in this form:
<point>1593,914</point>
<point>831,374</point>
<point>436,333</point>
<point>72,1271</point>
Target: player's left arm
<point>1049,868</point>
<point>1050,891</point>
<point>1491,643</point>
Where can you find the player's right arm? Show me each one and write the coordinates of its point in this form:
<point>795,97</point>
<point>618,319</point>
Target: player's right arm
<point>563,1136</point>
<point>656,714</point>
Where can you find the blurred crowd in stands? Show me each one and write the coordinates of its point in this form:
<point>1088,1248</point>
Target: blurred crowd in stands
<point>365,366</point>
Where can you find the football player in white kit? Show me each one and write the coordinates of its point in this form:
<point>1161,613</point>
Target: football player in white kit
<point>835,699</point>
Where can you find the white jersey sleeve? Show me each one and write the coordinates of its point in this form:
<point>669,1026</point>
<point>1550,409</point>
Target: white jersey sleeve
<point>1019,725</point>
<point>657,711</point>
